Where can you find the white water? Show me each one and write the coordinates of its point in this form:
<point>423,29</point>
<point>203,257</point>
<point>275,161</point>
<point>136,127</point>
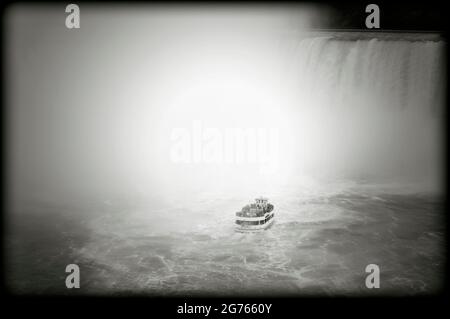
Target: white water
<point>369,108</point>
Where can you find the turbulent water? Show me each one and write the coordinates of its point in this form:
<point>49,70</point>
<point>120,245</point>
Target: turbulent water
<point>319,245</point>
<point>379,101</point>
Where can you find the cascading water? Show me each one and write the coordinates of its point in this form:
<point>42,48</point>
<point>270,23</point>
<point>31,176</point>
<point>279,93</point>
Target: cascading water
<point>401,73</point>
<point>369,106</point>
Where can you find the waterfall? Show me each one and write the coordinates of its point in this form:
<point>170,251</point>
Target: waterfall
<point>369,106</point>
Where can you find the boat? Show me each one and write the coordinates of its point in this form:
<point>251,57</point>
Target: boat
<point>256,216</point>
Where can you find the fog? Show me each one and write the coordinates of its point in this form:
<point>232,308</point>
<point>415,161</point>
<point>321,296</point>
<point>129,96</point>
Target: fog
<point>91,112</point>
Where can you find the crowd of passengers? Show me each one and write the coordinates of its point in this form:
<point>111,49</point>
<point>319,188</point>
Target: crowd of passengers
<point>257,210</point>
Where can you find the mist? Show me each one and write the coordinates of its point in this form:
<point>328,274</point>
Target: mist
<point>91,112</point>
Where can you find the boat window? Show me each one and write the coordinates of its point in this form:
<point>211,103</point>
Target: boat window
<point>247,222</point>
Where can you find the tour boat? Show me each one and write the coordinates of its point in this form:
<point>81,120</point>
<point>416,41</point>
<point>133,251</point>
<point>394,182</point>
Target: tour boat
<point>256,216</point>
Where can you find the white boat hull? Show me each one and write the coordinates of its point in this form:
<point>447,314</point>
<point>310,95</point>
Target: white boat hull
<point>245,224</point>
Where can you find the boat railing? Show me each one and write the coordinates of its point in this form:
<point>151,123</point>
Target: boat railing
<point>259,213</point>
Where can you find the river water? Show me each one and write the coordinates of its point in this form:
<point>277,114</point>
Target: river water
<point>319,245</point>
